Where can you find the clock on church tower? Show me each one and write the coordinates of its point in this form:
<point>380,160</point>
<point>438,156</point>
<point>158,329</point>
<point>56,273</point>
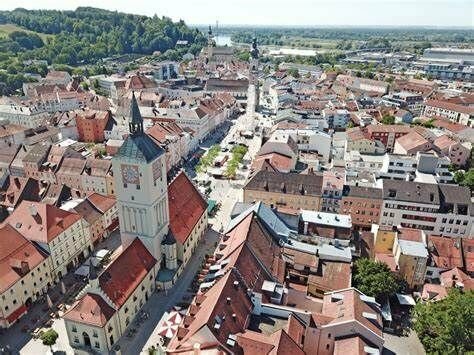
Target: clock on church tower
<point>141,187</point>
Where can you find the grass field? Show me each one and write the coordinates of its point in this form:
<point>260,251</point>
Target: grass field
<point>8,28</point>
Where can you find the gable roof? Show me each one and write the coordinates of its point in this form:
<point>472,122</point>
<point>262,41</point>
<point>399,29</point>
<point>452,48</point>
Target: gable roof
<point>445,252</point>
<point>186,207</point>
<point>126,272</point>
<point>90,309</point>
<point>17,256</point>
<point>288,183</point>
<point>41,222</point>
<point>278,343</point>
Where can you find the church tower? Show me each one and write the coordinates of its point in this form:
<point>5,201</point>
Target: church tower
<point>141,187</point>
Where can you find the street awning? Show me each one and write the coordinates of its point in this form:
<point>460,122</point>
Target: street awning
<point>211,204</point>
<point>405,300</point>
<point>102,253</point>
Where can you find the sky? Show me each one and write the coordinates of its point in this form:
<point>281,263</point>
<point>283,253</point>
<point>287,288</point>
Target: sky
<point>438,13</point>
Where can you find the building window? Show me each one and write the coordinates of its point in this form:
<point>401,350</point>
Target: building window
<point>97,345</point>
<point>94,334</point>
<point>74,329</point>
<point>76,339</point>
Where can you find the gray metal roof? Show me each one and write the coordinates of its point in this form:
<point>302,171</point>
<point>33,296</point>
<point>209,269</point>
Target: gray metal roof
<point>266,215</point>
<point>409,247</point>
<point>139,148</point>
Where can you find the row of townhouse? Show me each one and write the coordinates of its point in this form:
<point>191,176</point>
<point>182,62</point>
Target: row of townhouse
<point>435,208</point>
<point>443,209</point>
<point>61,165</point>
<point>41,243</point>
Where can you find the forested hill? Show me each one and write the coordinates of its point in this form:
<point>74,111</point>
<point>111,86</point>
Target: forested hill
<point>88,34</point>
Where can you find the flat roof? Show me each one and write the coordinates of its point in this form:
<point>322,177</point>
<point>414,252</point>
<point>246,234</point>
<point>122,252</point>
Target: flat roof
<point>328,219</point>
<point>409,247</point>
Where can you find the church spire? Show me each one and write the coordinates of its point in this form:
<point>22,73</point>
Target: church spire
<point>254,51</point>
<point>136,120</point>
<point>210,37</point>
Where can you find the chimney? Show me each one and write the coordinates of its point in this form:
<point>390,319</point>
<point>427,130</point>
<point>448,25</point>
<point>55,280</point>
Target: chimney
<point>25,267</point>
<point>228,300</point>
<point>234,317</point>
<point>236,285</point>
<point>196,349</point>
<point>33,210</point>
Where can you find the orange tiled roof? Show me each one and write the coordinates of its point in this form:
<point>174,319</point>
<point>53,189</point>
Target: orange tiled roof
<point>445,252</point>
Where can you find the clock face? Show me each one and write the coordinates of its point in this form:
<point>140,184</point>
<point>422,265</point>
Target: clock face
<point>130,174</point>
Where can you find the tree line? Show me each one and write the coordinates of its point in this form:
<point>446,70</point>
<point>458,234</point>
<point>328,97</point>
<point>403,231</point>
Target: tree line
<point>88,34</point>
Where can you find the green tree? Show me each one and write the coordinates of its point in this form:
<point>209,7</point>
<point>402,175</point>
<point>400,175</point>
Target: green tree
<point>446,326</point>
<point>294,72</point>
<point>468,179</point>
<point>374,279</point>
<point>388,119</point>
<point>49,337</point>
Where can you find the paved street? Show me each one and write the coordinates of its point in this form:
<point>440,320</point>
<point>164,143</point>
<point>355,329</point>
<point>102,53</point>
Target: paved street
<point>160,302</point>
<point>406,345</point>
<point>227,192</point>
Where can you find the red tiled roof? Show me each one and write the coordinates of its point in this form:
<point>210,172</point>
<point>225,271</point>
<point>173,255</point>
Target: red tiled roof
<point>186,206</point>
<point>450,126</point>
<point>388,259</point>
<point>450,106</point>
<point>412,140</point>
<point>351,307</point>
<point>88,212</point>
<point>388,128</point>
<point>445,252</point>
<point>443,142</point>
<point>101,202</point>
<point>126,272</point>
<point>15,249</point>
<point>353,345</point>
<point>455,277</point>
<point>41,222</point>
<point>332,275</point>
<point>434,292</point>
<point>414,235</point>
<point>280,162</point>
<point>468,251</point>
<point>278,343</point>
<point>90,309</point>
